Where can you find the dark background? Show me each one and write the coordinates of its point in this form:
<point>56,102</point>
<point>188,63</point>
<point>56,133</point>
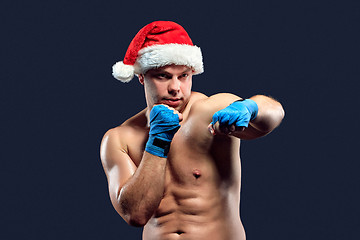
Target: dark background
<point>58,98</point>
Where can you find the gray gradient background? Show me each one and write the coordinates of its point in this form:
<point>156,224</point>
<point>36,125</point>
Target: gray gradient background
<point>58,98</point>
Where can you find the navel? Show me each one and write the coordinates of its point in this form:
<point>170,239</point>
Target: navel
<point>196,173</point>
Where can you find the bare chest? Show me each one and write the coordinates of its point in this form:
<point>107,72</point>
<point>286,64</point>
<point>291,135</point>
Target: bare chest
<point>195,155</point>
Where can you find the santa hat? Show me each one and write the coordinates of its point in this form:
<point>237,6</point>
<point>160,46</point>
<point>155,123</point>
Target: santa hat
<point>158,44</point>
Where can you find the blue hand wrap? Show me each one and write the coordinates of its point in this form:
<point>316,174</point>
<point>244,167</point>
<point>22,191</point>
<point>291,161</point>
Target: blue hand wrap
<point>164,123</point>
<point>239,113</point>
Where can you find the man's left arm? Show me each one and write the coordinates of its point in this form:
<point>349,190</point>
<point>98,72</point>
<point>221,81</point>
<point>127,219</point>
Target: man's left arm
<point>248,118</point>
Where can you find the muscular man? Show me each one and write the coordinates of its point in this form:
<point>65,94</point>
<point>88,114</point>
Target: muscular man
<point>174,168</point>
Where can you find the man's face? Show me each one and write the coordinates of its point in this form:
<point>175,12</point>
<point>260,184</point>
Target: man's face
<point>170,85</point>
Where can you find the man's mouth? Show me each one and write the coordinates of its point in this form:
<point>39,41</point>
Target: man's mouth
<point>172,102</point>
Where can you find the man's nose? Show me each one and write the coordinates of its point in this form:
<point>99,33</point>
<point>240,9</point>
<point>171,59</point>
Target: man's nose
<point>174,84</point>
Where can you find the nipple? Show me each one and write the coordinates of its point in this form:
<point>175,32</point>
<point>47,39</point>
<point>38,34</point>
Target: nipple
<point>196,173</point>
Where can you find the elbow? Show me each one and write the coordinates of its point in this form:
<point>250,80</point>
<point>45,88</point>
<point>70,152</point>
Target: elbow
<point>136,220</point>
<point>277,116</point>
<point>132,218</point>
<point>133,210</point>
<point>132,215</point>
<point>280,114</point>
<point>270,119</point>
<point>128,212</point>
<point>271,113</point>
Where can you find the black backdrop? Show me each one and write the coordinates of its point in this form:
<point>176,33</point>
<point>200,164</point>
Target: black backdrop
<point>58,98</point>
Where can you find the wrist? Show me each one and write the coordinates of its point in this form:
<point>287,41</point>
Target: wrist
<point>252,107</point>
<point>158,146</point>
<point>164,123</point>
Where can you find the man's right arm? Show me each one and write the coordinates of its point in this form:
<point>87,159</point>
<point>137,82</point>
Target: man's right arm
<point>135,192</point>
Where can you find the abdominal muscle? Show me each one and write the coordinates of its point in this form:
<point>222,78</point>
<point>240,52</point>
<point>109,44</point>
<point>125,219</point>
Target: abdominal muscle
<point>196,212</point>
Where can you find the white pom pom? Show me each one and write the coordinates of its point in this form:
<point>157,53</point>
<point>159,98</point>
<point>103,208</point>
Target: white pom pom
<point>123,72</point>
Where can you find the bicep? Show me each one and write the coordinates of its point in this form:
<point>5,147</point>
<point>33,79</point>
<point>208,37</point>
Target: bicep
<point>118,166</point>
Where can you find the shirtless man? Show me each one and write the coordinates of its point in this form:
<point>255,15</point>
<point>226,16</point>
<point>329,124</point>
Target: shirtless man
<point>174,168</point>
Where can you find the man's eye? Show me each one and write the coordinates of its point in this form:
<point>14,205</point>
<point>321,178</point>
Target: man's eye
<point>161,75</point>
<point>184,75</point>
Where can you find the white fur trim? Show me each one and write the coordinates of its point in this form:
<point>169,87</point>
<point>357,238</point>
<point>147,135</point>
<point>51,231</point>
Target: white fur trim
<point>123,72</point>
<point>162,55</point>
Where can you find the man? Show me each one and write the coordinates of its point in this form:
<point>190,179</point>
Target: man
<point>174,168</point>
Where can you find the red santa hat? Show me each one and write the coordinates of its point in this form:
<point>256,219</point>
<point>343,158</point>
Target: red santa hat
<point>158,44</point>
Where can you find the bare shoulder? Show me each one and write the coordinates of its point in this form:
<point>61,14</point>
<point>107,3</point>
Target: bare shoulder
<point>222,99</point>
<point>117,140</point>
<point>198,95</point>
<point>116,136</point>
<point>113,144</point>
<point>130,127</point>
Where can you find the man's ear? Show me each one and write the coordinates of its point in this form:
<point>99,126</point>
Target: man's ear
<point>141,78</point>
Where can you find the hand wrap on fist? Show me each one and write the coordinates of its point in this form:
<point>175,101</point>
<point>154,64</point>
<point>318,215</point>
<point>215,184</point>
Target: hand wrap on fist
<point>239,114</point>
<point>164,123</point>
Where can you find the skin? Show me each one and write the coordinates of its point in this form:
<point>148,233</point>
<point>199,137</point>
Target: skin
<point>194,193</point>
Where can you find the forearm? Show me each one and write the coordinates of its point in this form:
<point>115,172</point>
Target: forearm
<point>141,195</point>
<point>247,119</point>
<point>270,114</point>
